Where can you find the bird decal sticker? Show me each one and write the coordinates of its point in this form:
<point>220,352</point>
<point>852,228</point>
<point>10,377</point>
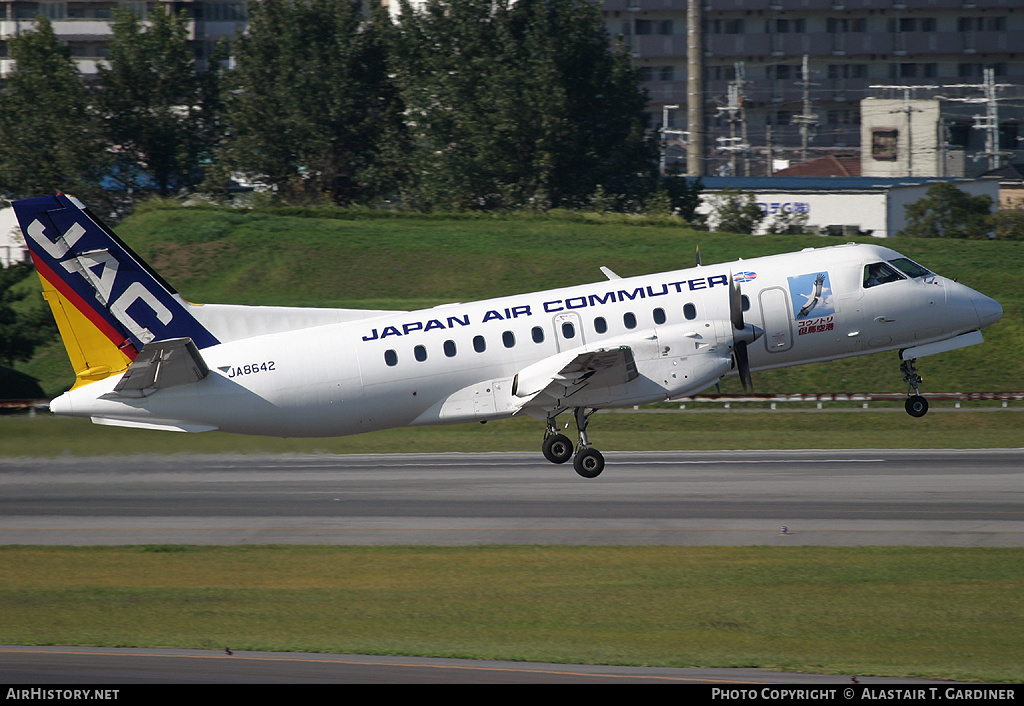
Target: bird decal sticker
<point>814,298</point>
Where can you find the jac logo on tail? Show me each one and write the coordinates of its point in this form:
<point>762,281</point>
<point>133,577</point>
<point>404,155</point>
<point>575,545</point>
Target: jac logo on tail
<point>99,270</point>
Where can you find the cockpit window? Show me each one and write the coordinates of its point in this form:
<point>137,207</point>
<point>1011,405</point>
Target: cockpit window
<point>880,273</point>
<point>909,267</point>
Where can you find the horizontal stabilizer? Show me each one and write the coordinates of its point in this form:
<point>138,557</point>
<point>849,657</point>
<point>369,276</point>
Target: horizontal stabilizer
<point>162,364</point>
<point>154,424</point>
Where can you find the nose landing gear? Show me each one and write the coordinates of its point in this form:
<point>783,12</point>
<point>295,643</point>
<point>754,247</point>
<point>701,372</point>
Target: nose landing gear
<point>916,405</point>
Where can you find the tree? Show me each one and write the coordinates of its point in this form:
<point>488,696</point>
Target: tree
<point>21,329</point>
<point>516,104</point>
<point>157,107</point>
<point>949,212</point>
<point>51,139</point>
<point>1009,222</point>
<point>735,211</point>
<point>311,111</point>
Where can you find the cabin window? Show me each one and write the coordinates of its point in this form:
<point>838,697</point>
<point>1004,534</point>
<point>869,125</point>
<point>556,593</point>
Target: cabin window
<point>690,312</point>
<point>600,325</point>
<point>659,316</point>
<point>629,320</point>
<point>420,353</point>
<point>449,349</point>
<point>391,358</point>
<point>508,339</point>
<point>880,273</point>
<point>479,344</point>
<point>745,302</point>
<point>538,334</point>
<point>568,330</point>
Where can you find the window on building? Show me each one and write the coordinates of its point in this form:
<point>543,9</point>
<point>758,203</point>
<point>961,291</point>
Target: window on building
<point>1009,136</point>
<point>724,26</point>
<point>904,24</point>
<point>786,26</point>
<point>884,144</point>
<point>841,25</point>
<point>57,10</point>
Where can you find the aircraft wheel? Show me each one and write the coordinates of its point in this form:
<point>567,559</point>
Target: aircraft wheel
<point>557,448</point>
<point>917,406</point>
<point>589,463</point>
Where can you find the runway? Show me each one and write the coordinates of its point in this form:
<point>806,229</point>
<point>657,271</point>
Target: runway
<point>776,498</point>
<point>133,666</point>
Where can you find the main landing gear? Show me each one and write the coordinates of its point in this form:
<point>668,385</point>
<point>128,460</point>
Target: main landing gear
<point>557,447</point>
<point>916,406</point>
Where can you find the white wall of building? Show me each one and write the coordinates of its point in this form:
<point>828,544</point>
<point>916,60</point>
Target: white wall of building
<point>12,244</point>
<point>879,212</point>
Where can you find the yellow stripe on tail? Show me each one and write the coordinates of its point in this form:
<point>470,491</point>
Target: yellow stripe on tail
<point>93,356</point>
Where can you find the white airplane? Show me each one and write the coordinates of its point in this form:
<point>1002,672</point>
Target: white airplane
<point>145,357</point>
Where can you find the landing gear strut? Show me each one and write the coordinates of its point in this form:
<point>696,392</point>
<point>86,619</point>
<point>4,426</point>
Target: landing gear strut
<point>588,462</point>
<point>916,406</point>
<point>557,447</point>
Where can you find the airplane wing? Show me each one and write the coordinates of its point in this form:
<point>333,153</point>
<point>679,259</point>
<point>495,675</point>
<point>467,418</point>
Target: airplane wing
<point>562,375</point>
<point>162,364</point>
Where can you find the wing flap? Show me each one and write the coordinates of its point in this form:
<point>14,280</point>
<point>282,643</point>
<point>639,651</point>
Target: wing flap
<point>567,373</point>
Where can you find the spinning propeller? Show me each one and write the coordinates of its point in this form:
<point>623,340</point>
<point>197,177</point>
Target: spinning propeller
<point>742,334</point>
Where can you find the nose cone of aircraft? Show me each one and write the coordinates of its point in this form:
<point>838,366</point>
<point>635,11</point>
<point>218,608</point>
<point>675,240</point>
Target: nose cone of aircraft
<point>988,309</point>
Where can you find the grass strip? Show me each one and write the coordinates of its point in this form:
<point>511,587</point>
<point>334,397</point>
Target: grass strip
<point>650,429</point>
<point>946,613</point>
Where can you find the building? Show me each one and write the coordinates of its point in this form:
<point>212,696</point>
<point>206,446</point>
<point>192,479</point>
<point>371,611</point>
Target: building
<point>85,24</point>
<point>785,77</point>
<point>952,134</point>
<point>841,206</point>
<point>12,242</point>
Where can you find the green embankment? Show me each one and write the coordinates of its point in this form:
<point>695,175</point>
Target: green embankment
<point>941,613</point>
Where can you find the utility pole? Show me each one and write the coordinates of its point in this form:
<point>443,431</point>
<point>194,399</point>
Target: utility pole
<point>736,114</point>
<point>990,123</point>
<point>909,112</point>
<point>741,80</point>
<point>694,89</point>
<point>664,137</point>
<point>807,119</point>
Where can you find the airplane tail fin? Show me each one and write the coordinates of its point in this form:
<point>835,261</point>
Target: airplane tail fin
<point>107,302</point>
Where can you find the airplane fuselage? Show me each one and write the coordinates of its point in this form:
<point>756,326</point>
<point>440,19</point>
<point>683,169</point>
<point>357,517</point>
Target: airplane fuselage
<point>462,362</point>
